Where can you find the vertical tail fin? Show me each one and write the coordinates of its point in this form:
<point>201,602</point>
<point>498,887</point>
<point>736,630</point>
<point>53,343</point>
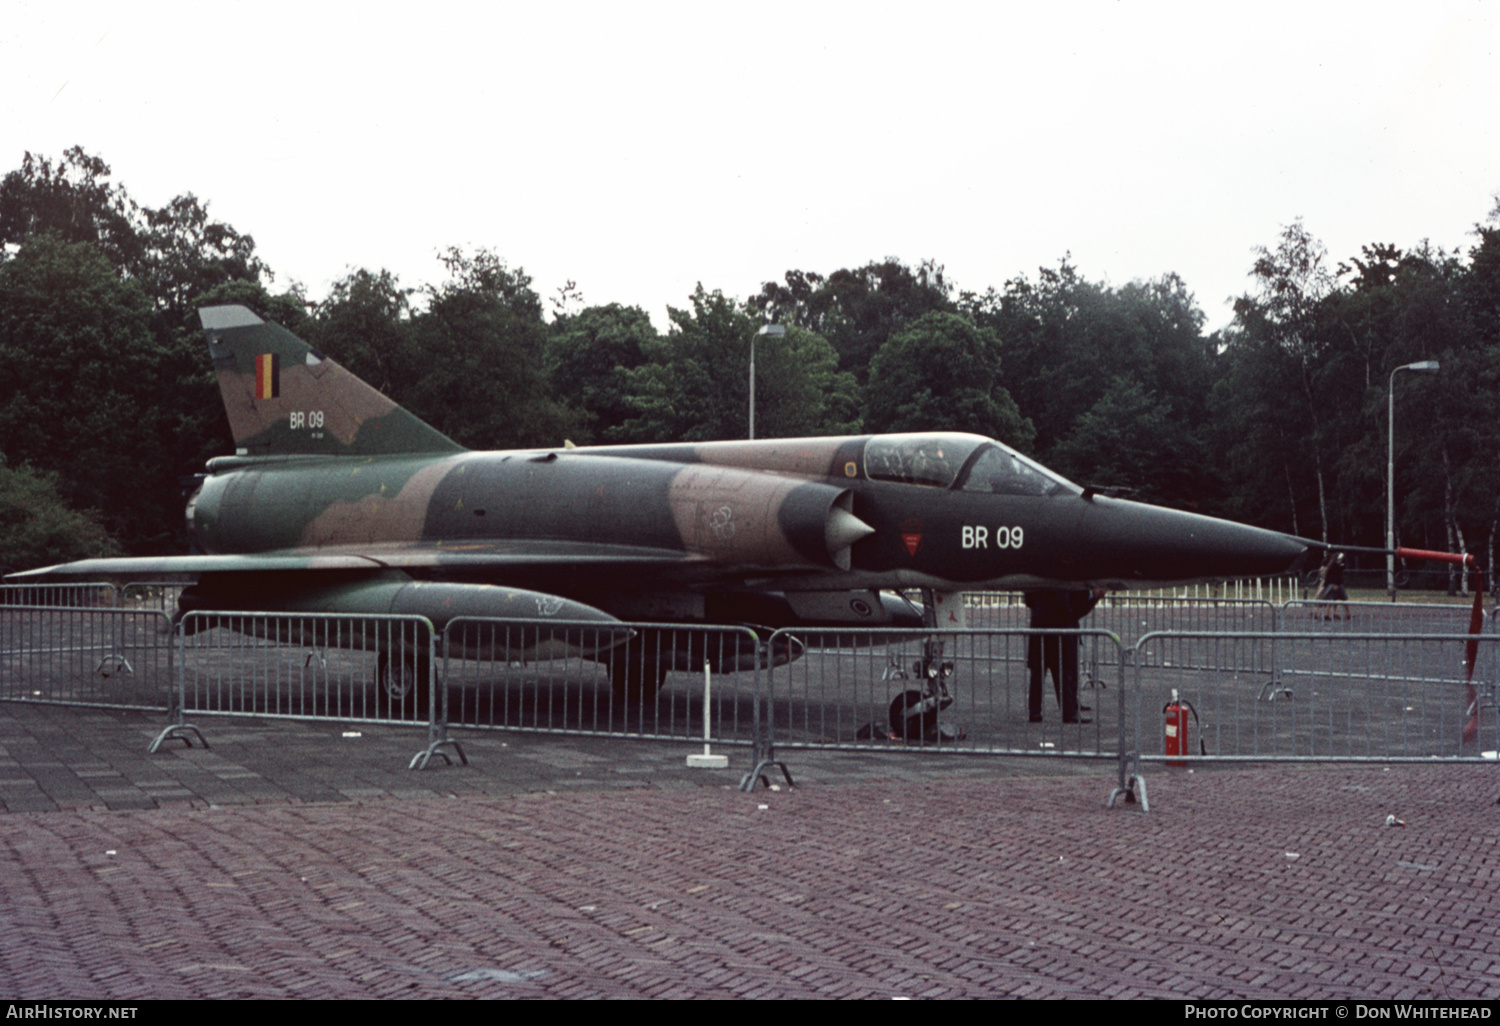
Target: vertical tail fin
<point>285,398</point>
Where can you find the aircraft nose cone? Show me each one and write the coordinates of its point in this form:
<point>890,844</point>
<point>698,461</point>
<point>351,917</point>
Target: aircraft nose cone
<point>1150,544</point>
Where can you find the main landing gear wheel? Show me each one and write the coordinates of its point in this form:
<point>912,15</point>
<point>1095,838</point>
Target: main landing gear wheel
<point>403,685</point>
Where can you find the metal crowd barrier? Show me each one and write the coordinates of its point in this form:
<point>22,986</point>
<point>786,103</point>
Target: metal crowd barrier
<point>638,680</point>
<point>375,668</point>
<point>1375,617</point>
<point>162,595</point>
<point>995,610</point>
<point>158,595</point>
<point>1133,616</point>
<point>949,691</point>
<point>1302,689</point>
<point>628,680</point>
<point>1280,696</point>
<point>86,595</point>
<point>1130,617</point>
<point>95,656</point>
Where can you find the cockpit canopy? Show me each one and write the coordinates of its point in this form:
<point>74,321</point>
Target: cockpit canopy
<point>970,463</point>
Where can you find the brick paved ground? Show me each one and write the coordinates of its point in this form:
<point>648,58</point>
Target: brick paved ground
<point>290,861</point>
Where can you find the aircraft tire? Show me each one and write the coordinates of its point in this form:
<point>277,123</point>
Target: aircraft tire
<point>403,685</point>
<point>907,724</point>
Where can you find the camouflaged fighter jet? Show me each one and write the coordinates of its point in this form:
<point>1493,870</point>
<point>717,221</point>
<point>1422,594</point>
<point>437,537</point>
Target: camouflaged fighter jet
<point>337,499</point>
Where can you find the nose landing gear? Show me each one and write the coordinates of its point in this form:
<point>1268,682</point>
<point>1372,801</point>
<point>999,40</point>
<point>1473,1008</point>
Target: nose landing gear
<point>914,713</point>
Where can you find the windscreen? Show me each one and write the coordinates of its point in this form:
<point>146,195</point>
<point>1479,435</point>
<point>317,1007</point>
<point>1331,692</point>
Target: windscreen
<point>1001,471</point>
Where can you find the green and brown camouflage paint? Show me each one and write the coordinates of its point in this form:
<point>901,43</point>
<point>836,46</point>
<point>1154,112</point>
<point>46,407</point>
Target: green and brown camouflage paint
<point>331,477</point>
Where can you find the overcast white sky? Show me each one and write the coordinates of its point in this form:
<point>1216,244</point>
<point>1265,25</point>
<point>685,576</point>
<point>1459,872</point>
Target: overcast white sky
<point>641,148</point>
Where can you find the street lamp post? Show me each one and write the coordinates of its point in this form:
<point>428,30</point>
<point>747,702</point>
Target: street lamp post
<point>1424,367</point>
<point>770,331</point>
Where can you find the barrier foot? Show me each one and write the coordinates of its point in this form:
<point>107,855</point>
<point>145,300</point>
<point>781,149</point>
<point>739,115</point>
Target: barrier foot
<point>1130,779</point>
<point>422,758</point>
<point>747,783</point>
<point>118,662</point>
<point>1128,792</point>
<point>184,732</point>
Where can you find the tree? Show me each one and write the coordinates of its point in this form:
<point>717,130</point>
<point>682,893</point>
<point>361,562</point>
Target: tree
<point>1291,282</point>
<point>37,528</point>
<point>480,344</point>
<point>117,406</point>
<point>366,325</point>
<point>1257,436</point>
<point>1446,440</point>
<point>856,310</point>
<point>1131,439</point>
<point>1301,411</point>
<point>1057,343</point>
<point>588,356</point>
<point>1479,291</point>
<point>1076,352</point>
<point>83,393</point>
<point>943,374</point>
<point>1397,308</point>
<point>695,386</point>
<point>176,252</point>
<point>73,201</point>
<point>799,389</point>
<point>1481,285</point>
<point>185,253</point>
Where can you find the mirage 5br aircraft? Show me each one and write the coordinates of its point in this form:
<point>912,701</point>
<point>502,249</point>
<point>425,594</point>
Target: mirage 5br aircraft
<point>339,500</point>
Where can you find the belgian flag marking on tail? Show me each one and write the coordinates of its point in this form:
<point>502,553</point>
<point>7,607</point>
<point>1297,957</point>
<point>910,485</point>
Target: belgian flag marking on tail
<point>320,409</point>
<point>267,376</point>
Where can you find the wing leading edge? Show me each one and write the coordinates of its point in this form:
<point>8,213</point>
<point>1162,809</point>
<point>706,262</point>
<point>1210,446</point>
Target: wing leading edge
<point>490,559</point>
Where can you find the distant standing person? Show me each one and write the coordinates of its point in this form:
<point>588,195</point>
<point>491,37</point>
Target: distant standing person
<point>1055,609</point>
<point>1331,588</point>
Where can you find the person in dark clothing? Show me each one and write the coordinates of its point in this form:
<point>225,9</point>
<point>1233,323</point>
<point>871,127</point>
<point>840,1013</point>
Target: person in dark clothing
<point>1056,609</point>
<point>1331,587</point>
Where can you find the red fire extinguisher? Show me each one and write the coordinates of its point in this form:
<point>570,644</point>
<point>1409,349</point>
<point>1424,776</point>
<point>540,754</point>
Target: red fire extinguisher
<point>1176,740</point>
